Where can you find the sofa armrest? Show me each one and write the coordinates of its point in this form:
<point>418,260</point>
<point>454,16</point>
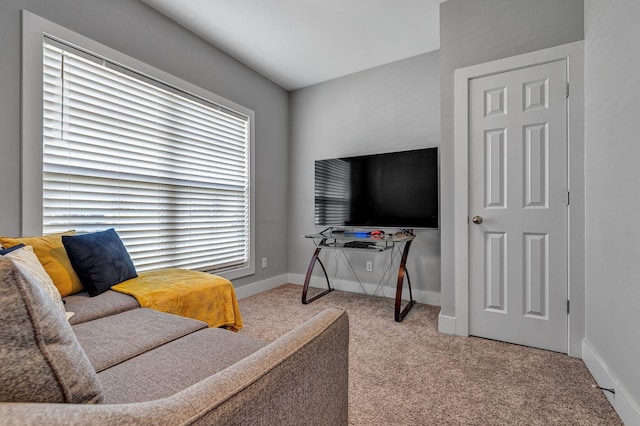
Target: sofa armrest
<point>300,378</point>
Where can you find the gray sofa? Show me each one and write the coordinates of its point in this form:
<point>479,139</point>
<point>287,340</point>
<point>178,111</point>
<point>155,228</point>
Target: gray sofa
<point>115,363</point>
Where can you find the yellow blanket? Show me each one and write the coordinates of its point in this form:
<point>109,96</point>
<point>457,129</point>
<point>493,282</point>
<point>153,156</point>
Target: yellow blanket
<point>191,294</point>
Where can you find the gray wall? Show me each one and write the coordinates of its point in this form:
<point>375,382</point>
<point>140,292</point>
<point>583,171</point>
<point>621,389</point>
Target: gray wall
<point>389,108</point>
<point>474,32</point>
<point>612,194</point>
<point>133,28</point>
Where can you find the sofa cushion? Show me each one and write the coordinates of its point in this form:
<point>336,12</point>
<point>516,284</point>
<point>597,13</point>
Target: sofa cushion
<point>175,366</point>
<point>88,308</point>
<point>25,256</point>
<point>111,340</point>
<point>40,357</point>
<point>54,259</point>
<point>100,260</point>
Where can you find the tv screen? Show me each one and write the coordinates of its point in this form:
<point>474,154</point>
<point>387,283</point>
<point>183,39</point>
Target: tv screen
<point>397,189</point>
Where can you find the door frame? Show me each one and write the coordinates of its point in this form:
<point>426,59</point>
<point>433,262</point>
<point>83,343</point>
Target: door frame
<point>573,53</point>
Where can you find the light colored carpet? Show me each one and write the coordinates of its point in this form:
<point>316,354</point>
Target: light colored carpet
<point>409,374</point>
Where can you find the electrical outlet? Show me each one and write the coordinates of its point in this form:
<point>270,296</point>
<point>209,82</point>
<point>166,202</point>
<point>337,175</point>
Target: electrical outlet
<point>369,266</point>
<point>264,262</point>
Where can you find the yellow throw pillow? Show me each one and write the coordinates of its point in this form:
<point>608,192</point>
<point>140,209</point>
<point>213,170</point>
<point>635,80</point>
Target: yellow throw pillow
<point>53,256</point>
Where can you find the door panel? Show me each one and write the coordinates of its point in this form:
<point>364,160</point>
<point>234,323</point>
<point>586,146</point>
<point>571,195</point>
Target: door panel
<point>495,280</point>
<point>518,185</point>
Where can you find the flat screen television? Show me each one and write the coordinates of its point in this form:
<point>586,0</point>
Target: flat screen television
<point>397,189</point>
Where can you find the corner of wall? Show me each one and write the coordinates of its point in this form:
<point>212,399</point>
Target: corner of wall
<point>446,324</point>
<point>622,402</point>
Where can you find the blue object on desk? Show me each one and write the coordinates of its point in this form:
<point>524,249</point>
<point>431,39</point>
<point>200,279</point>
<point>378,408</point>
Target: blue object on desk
<point>362,234</point>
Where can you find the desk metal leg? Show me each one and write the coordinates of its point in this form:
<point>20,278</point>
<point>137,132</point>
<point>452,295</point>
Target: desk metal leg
<point>402,271</point>
<point>305,288</point>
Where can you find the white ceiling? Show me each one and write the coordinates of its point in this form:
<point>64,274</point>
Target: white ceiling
<point>297,43</point>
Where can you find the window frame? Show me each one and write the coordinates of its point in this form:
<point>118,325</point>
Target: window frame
<point>34,29</point>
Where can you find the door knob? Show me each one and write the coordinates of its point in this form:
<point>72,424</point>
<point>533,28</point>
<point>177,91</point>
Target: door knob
<point>477,220</point>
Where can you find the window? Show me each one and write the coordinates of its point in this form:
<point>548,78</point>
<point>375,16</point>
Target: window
<point>168,169</point>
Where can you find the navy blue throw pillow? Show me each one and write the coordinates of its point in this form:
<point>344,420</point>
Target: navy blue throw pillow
<point>100,260</point>
<point>10,249</point>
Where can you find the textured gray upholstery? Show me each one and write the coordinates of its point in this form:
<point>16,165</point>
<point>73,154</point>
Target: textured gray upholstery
<point>40,358</point>
<point>299,379</point>
<point>89,308</point>
<point>157,368</point>
<point>114,339</point>
<point>175,366</point>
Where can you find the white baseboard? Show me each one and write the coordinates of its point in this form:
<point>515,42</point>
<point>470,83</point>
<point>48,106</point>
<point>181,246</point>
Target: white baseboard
<point>446,324</point>
<point>260,286</point>
<point>420,296</point>
<point>624,405</point>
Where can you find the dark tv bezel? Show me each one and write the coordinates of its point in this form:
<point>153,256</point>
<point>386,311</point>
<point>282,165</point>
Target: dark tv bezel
<point>372,226</point>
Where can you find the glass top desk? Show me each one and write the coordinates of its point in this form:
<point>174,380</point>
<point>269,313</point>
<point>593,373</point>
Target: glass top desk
<point>362,241</point>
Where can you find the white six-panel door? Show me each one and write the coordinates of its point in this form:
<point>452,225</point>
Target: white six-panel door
<point>518,197</point>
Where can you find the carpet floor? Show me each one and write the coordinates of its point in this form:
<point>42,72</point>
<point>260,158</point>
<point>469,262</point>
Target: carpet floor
<point>409,374</point>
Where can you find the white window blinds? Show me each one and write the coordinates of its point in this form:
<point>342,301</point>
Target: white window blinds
<point>168,171</point>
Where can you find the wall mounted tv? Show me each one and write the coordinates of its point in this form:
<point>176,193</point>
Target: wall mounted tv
<point>397,189</point>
